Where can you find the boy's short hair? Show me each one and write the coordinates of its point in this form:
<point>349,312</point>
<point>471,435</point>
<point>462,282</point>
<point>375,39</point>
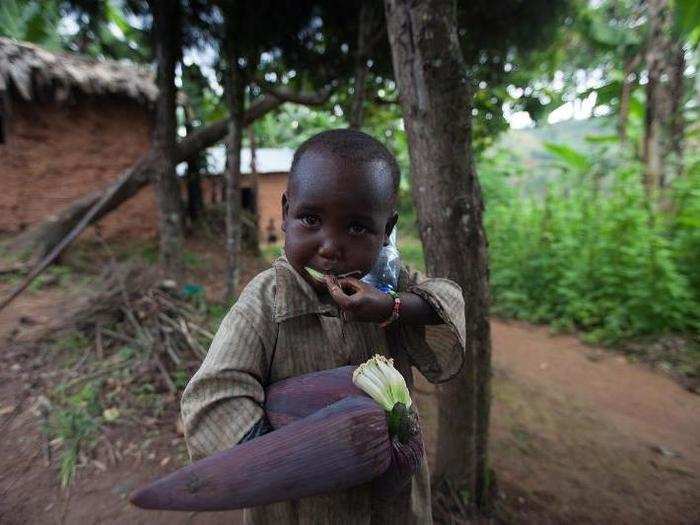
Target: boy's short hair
<point>350,144</point>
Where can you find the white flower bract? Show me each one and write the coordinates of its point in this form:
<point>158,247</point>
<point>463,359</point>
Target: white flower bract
<point>382,382</point>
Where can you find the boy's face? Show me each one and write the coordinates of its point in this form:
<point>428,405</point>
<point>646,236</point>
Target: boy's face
<point>337,214</point>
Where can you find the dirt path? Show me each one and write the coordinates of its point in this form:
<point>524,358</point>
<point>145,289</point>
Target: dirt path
<point>635,399</point>
<point>578,436</point>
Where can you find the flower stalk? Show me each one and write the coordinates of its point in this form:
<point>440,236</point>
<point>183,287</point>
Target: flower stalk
<point>378,378</point>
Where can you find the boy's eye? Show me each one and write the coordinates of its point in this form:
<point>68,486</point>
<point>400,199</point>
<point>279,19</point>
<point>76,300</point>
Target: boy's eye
<point>357,229</point>
<point>310,220</point>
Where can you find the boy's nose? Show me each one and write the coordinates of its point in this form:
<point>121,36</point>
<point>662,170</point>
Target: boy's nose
<point>329,249</point>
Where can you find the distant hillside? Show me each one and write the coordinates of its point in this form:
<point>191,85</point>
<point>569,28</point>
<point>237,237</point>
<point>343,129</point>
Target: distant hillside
<point>526,147</point>
<point>529,143</point>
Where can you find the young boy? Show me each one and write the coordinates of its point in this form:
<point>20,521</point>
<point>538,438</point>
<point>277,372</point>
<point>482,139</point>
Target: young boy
<point>338,211</point>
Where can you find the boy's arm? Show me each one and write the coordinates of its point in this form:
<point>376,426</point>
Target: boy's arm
<point>223,401</point>
<point>360,301</point>
<point>431,318</point>
<point>437,350</point>
<point>416,310</point>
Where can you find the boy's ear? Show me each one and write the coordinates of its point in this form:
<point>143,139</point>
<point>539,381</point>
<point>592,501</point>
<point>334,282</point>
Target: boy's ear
<point>285,211</point>
<point>389,227</point>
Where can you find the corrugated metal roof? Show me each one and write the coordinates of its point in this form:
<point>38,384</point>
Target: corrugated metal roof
<point>267,160</point>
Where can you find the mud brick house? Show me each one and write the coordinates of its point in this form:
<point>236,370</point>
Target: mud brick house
<point>70,125</point>
<point>264,180</point>
<point>264,174</point>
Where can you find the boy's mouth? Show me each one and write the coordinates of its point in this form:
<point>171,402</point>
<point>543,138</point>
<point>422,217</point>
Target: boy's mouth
<point>320,276</point>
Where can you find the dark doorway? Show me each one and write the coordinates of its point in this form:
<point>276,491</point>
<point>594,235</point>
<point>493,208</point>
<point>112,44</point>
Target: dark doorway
<point>248,199</point>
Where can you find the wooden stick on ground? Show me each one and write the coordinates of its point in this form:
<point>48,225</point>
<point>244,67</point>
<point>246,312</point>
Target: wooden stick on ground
<point>68,239</point>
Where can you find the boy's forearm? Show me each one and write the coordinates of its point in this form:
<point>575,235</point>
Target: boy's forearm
<point>416,310</point>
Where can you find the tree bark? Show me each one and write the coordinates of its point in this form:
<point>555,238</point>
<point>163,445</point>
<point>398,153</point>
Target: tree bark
<point>364,37</point>
<point>677,119</point>
<point>167,47</point>
<point>658,100</point>
<point>235,95</point>
<point>430,74</point>
<point>629,81</point>
<point>254,243</point>
<point>195,196</point>
<point>38,241</point>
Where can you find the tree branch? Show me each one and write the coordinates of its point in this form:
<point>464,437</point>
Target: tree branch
<point>384,101</point>
<point>286,94</point>
<point>274,97</point>
<point>75,219</point>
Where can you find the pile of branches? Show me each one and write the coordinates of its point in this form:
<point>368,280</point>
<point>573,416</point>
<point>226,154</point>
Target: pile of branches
<point>133,306</point>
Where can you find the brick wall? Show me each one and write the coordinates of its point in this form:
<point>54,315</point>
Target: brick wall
<point>271,186</point>
<point>55,154</point>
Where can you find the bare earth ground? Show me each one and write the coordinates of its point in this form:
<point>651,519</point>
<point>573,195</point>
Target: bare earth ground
<point>578,435</point>
<point>582,436</point>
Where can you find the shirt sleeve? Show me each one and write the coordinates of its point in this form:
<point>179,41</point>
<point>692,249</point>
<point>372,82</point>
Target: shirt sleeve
<point>436,350</point>
<point>224,399</point>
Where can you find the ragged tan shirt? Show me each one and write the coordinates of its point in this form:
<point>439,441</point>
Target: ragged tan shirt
<point>280,327</point>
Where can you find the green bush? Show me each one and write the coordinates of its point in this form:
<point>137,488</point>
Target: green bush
<point>593,253</point>
<point>684,227</point>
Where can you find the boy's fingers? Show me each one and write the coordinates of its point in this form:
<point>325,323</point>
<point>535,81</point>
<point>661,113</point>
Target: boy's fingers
<point>351,283</point>
<point>337,292</point>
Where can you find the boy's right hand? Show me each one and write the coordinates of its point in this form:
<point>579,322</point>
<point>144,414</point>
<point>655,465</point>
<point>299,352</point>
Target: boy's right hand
<point>359,301</point>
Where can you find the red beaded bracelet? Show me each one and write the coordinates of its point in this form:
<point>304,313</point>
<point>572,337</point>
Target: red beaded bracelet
<point>394,312</point>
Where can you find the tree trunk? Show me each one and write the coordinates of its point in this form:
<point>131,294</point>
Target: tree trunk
<point>658,100</point>
<point>195,196</point>
<point>166,36</point>
<point>193,186</point>
<point>677,122</point>
<point>38,241</point>
<point>364,37</point>
<point>430,74</point>
<point>629,81</point>
<point>235,94</point>
<point>254,243</point>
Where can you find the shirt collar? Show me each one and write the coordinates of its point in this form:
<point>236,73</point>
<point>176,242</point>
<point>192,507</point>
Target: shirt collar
<point>294,296</point>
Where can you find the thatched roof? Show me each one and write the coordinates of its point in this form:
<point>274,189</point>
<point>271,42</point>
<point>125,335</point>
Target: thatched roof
<point>36,74</point>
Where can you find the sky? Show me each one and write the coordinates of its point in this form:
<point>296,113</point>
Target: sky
<point>579,109</point>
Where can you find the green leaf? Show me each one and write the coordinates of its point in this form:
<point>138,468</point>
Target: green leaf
<point>688,20</point>
<point>606,34</point>
<point>602,139</point>
<point>569,156</point>
<point>605,93</point>
<point>31,21</point>
<point>115,16</point>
